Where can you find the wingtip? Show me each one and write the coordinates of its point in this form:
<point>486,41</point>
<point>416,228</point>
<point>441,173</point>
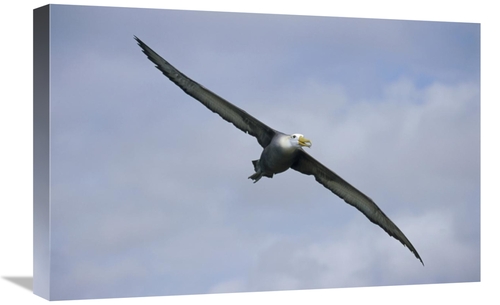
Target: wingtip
<point>414,251</point>
<point>417,256</point>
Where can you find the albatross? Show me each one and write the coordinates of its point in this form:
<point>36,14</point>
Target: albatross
<point>280,151</point>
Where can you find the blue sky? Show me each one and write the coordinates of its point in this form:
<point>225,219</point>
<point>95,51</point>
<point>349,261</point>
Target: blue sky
<point>150,190</point>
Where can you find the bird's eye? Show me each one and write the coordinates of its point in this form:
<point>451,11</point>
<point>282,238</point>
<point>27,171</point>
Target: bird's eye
<point>294,136</point>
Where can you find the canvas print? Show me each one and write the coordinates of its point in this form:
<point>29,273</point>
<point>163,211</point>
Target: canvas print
<point>174,152</point>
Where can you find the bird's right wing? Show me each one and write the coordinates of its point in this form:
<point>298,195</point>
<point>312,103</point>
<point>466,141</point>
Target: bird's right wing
<point>229,112</point>
<point>309,166</point>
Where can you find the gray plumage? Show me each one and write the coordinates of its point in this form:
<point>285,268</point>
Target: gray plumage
<point>281,151</point>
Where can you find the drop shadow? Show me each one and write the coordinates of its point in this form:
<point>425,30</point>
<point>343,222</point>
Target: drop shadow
<point>22,281</point>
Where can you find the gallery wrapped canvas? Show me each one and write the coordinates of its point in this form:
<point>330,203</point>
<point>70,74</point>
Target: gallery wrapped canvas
<point>140,190</point>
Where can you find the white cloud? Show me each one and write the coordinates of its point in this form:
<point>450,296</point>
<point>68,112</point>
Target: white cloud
<point>152,188</point>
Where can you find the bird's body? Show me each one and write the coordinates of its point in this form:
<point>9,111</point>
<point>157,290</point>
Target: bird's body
<point>280,151</point>
<point>278,156</point>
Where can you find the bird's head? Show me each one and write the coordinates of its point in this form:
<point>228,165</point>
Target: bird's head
<point>299,140</point>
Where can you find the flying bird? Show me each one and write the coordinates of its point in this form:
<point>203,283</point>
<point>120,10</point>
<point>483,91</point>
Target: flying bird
<point>280,151</point>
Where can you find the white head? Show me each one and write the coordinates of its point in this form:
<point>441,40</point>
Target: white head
<point>298,140</point>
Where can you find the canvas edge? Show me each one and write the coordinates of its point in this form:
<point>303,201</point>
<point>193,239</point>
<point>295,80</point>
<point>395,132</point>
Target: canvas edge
<point>41,151</point>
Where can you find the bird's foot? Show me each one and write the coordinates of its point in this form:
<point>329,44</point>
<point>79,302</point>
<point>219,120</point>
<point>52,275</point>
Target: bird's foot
<point>255,177</point>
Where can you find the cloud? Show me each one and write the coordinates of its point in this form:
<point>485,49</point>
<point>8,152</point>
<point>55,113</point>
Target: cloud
<point>150,190</point>
<point>447,186</point>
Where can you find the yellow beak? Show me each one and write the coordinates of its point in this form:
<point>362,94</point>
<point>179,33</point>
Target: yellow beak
<point>305,142</point>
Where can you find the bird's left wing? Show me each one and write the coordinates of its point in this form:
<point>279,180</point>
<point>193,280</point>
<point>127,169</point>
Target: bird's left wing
<point>229,112</point>
<point>310,166</point>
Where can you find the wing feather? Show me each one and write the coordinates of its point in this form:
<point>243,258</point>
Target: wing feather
<point>310,166</point>
<point>229,112</point>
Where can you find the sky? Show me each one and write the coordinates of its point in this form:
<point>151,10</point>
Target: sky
<point>149,189</point>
